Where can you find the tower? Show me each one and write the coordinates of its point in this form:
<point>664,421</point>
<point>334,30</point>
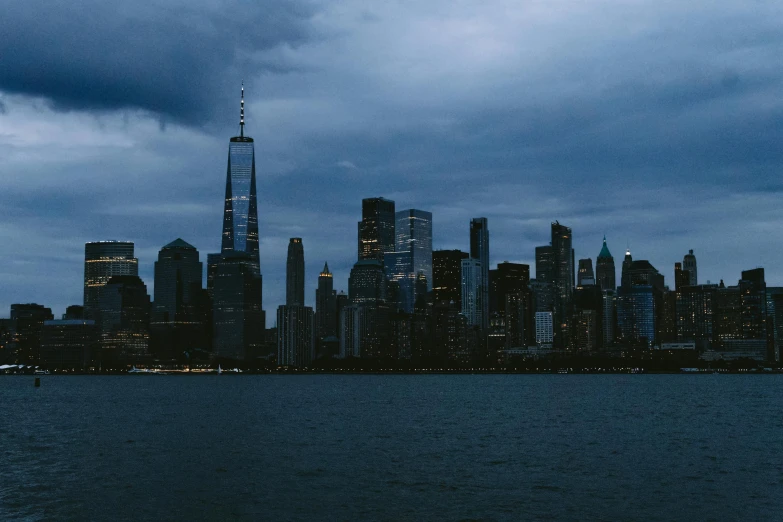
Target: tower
<point>479,250</point>
<point>585,275</point>
<point>240,213</point>
<point>605,270</point>
<point>563,279</point>
<point>295,273</point>
<point>689,265</point>
<point>102,261</point>
<point>325,305</point>
<point>447,276</point>
<point>238,317</point>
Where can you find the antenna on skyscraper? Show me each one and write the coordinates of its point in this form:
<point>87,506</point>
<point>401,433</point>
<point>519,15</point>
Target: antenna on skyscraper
<point>242,112</point>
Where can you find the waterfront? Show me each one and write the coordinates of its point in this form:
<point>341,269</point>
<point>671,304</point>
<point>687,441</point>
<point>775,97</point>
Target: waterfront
<point>395,447</point>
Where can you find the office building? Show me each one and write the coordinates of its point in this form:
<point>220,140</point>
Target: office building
<point>447,276</point>
<point>295,340</point>
<point>178,274</point>
<point>123,320</point>
<point>689,265</point>
<point>604,268</point>
<point>563,280</point>
<point>544,328</point>
<point>27,322</point>
<point>295,273</point>
<point>325,305</point>
<point>413,235</point>
<point>376,229</point>
<point>238,321</point>
<point>471,271</point>
<point>102,261</point>
<point>585,275</point>
<point>479,250</point>
<point>68,344</point>
<point>240,211</point>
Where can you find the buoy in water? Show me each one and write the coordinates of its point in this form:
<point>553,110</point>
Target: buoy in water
<point>37,382</point>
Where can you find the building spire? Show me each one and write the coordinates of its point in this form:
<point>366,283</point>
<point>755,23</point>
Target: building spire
<point>242,112</point>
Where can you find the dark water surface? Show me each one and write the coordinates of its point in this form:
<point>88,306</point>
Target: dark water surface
<point>420,447</point>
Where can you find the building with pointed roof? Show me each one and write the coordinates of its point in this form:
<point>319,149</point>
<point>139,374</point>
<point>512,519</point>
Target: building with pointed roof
<point>325,305</point>
<point>605,270</point>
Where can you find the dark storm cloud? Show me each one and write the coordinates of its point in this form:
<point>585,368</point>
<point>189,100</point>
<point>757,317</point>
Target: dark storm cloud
<point>172,59</point>
<point>656,123</point>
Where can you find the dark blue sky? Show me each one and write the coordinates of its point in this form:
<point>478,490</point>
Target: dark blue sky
<point>656,123</point>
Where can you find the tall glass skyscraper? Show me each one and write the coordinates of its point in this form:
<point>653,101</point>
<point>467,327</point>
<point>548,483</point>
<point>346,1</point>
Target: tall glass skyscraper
<point>413,234</point>
<point>238,317</point>
<point>240,213</point>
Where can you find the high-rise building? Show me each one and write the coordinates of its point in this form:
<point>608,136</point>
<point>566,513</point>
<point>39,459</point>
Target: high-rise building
<point>124,319</point>
<point>367,282</point>
<point>325,305</point>
<point>178,274</point>
<point>295,342</point>
<point>447,276</point>
<point>682,278</point>
<point>212,264</point>
<point>627,261</point>
<point>238,317</point>
<point>68,344</point>
<point>413,234</point>
<point>544,328</point>
<point>479,250</point>
<point>177,324</point>
<point>376,229</point>
<point>240,212</point>
<point>689,265</point>
<point>238,321</point>
<point>28,321</point>
<point>471,291</point>
<point>295,273</point>
<point>102,261</point>
<point>604,267</point>
<point>585,275</point>
<point>563,278</point>
<point>609,313</point>
<point>640,310</point>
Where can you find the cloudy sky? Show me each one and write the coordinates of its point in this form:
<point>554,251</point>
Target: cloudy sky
<point>658,123</point>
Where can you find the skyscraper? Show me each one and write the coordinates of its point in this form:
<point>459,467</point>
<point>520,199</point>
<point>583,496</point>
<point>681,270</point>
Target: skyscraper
<point>178,274</point>
<point>102,261</point>
<point>604,268</point>
<point>325,305</point>
<point>689,265</point>
<point>238,321</point>
<point>238,317</point>
<point>123,320</point>
<point>376,229</point>
<point>585,275</point>
<point>295,343</point>
<point>471,291</point>
<point>240,213</point>
<point>295,273</point>
<point>563,278</point>
<point>413,234</point>
<point>479,250</point>
<point>178,322</point>
<point>447,276</point>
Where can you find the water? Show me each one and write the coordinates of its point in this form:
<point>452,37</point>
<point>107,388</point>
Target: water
<point>420,447</point>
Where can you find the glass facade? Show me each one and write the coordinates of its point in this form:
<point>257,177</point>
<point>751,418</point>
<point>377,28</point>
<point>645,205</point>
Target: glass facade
<point>413,234</point>
<point>240,213</point>
<point>471,291</point>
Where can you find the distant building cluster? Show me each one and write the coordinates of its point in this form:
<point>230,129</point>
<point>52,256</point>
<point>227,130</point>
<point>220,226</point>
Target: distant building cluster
<point>405,301</point>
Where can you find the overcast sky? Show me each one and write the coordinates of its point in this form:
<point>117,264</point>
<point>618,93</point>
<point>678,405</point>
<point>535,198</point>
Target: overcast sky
<point>658,123</point>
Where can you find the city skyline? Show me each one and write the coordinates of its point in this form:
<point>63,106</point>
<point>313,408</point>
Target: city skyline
<point>680,154</point>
